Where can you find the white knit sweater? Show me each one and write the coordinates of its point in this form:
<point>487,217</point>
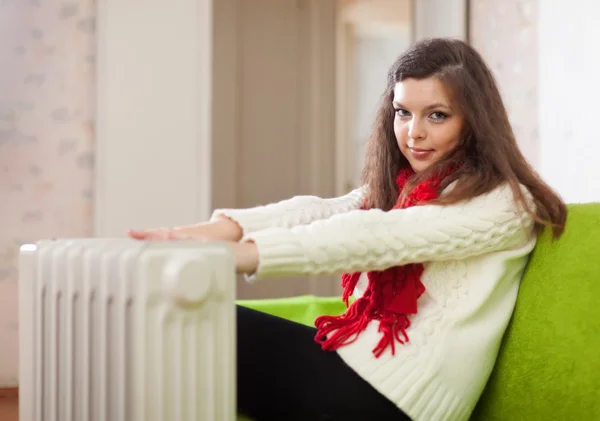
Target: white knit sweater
<point>474,255</point>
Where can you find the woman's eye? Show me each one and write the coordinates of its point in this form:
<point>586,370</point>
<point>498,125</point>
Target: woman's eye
<point>438,116</point>
<point>401,112</point>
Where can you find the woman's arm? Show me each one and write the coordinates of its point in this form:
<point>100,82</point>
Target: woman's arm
<point>299,210</point>
<point>376,240</point>
<point>232,224</point>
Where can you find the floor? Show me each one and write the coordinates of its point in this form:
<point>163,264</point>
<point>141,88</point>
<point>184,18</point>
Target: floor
<point>9,405</point>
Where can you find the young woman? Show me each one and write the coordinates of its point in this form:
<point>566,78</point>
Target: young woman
<point>434,245</point>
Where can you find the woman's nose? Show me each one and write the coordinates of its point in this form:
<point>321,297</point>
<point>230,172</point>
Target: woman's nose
<point>416,129</point>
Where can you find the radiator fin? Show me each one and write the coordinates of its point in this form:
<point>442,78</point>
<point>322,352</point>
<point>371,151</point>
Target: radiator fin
<point>121,330</point>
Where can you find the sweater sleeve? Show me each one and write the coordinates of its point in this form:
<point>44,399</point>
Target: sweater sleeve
<point>360,240</point>
<point>299,210</point>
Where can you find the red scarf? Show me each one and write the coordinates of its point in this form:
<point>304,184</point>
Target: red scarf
<point>390,297</point>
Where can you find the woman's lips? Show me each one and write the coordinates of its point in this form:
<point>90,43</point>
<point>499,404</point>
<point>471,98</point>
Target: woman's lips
<point>421,153</point>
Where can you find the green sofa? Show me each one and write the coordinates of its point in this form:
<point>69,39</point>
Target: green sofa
<point>549,363</point>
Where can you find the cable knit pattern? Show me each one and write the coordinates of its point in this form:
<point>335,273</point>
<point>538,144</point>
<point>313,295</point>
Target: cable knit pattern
<point>360,241</point>
<point>474,254</point>
<point>299,210</point>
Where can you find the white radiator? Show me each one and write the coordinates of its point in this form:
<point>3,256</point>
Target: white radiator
<point>122,330</point>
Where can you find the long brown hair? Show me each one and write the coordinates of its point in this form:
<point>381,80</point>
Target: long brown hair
<point>487,155</point>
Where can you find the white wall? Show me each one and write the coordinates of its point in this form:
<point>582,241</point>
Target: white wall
<point>153,163</point>
<point>505,32</point>
<point>569,90</point>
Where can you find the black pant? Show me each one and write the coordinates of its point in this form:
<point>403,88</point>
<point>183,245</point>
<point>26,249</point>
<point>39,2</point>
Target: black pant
<point>283,375</point>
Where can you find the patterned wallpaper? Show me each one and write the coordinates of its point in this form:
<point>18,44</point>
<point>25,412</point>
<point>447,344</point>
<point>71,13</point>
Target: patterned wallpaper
<point>505,33</point>
<point>46,138</point>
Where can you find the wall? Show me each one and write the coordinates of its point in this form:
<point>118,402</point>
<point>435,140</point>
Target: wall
<point>440,18</point>
<point>46,132</point>
<point>378,32</point>
<point>505,33</point>
<point>549,82</point>
<point>373,56</point>
<point>153,165</point>
<point>569,65</point>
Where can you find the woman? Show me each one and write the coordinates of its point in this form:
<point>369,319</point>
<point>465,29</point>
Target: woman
<point>434,246</point>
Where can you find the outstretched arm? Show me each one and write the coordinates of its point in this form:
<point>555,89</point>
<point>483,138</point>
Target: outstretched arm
<point>299,210</point>
<point>376,240</point>
<point>232,224</point>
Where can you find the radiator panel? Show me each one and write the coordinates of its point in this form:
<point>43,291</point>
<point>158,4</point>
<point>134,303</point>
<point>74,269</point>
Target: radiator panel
<point>121,330</point>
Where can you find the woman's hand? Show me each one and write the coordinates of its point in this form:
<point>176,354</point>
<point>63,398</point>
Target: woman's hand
<point>222,229</point>
<point>161,234</point>
<point>246,253</point>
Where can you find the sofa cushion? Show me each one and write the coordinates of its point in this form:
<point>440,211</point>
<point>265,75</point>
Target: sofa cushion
<point>301,309</point>
<point>549,364</point>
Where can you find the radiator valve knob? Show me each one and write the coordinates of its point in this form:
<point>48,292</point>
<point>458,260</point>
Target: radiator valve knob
<point>186,280</point>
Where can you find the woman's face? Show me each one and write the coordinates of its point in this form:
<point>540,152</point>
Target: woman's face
<point>426,125</point>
